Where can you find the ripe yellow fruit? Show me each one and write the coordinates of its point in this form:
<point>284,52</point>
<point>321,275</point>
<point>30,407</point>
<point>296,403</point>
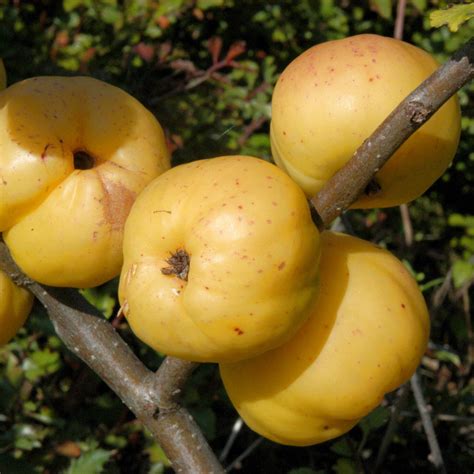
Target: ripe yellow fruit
<point>334,95</point>
<point>74,154</point>
<point>3,76</point>
<point>366,334</point>
<point>253,260</point>
<point>15,306</point>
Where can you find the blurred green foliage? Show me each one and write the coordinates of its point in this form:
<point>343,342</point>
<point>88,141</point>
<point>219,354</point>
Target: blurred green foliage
<point>207,68</point>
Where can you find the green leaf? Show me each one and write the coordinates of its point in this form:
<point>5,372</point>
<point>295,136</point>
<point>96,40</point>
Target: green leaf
<point>374,420</point>
<point>345,466</point>
<point>458,220</point>
<point>41,363</point>
<point>454,16</point>
<point>101,298</point>
<point>91,462</point>
<point>447,356</point>
<point>28,436</point>
<point>157,455</point>
<point>383,8</point>
<point>70,5</point>
<point>205,4</point>
<point>207,421</point>
<point>165,7</point>
<point>111,15</point>
<point>420,5</point>
<point>462,272</point>
<point>342,447</point>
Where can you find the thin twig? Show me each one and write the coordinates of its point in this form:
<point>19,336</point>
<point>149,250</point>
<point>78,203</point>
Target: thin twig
<point>230,441</point>
<point>435,456</point>
<point>406,225</point>
<point>400,19</point>
<point>401,401</point>
<point>242,456</point>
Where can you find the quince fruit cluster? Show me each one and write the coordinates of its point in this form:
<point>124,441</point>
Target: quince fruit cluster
<point>221,260</point>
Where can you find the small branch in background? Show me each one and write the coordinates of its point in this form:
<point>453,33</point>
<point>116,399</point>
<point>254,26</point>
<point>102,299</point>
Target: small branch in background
<point>435,456</point>
<point>252,127</point>
<point>400,19</point>
<point>237,426</point>
<point>406,225</point>
<point>399,405</point>
<point>466,303</point>
<point>440,294</point>
<point>236,462</point>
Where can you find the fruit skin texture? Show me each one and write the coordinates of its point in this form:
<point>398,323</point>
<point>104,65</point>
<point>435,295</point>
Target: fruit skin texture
<point>64,226</point>
<point>334,95</point>
<point>15,306</point>
<point>3,76</point>
<point>254,254</point>
<point>366,334</point>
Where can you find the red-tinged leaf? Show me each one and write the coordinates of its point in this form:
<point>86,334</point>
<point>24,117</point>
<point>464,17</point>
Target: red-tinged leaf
<point>62,39</point>
<point>235,50</point>
<point>68,449</point>
<point>198,14</point>
<point>164,50</point>
<point>88,55</point>
<point>163,22</point>
<point>145,51</point>
<point>214,45</point>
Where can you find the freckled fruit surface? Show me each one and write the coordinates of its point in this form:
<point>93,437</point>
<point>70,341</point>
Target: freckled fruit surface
<point>365,336</point>
<point>253,253</point>
<point>74,154</point>
<point>15,305</point>
<point>334,95</point>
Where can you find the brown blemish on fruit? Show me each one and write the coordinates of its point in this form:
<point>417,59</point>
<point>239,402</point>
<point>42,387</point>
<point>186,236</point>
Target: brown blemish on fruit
<point>178,262</point>
<point>281,266</point>
<point>403,306</point>
<point>116,203</point>
<point>238,331</point>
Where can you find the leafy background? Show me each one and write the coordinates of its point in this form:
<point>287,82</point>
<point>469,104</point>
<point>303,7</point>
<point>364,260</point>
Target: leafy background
<point>207,68</point>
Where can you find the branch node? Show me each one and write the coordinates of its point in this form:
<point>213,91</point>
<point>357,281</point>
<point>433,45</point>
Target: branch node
<point>418,112</point>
